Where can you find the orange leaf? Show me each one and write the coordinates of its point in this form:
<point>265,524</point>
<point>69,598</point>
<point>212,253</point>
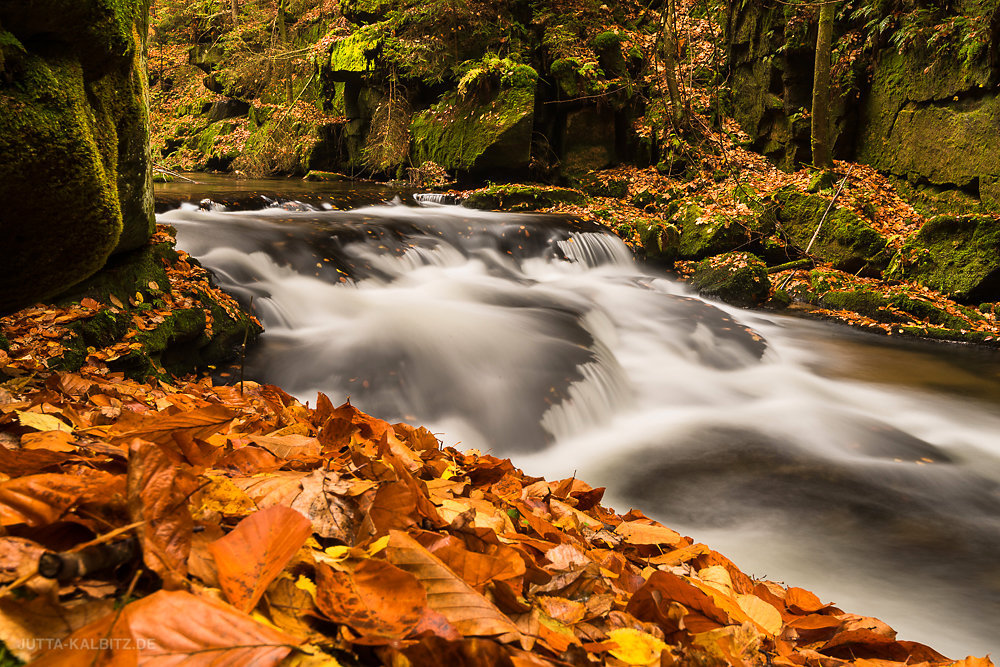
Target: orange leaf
<point>174,627</point>
<point>377,599</point>
<point>465,608</point>
<point>802,601</point>
<point>39,499</point>
<point>160,427</point>
<point>254,553</point>
<point>639,532</point>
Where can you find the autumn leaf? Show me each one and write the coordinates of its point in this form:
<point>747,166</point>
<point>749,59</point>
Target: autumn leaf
<point>158,492</point>
<point>377,599</point>
<point>250,557</point>
<point>174,627</point>
<point>43,422</point>
<point>38,499</point>
<point>635,647</point>
<point>640,532</point>
<point>465,608</point>
<point>327,502</point>
<point>160,427</point>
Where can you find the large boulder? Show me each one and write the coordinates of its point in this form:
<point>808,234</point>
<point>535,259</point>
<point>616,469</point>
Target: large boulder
<point>470,134</point>
<point>957,255</point>
<point>75,175</point>
<point>738,278</point>
<point>845,240</point>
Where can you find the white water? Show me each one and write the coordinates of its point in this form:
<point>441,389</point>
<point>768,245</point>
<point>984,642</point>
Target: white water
<point>516,335</point>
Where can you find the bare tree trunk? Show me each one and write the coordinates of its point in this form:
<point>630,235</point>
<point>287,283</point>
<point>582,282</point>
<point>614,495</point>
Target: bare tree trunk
<point>668,29</point>
<point>287,68</point>
<point>235,11</point>
<point>821,88</point>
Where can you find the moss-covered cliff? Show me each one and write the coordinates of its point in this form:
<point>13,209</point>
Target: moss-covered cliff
<point>74,163</point>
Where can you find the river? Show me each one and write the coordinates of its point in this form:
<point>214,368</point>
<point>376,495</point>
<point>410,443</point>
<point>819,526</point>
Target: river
<point>866,469</point>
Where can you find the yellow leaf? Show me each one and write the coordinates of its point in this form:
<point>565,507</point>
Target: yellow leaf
<point>304,583</point>
<point>636,647</point>
<point>41,422</point>
<point>222,496</point>
<point>378,545</point>
<point>760,612</point>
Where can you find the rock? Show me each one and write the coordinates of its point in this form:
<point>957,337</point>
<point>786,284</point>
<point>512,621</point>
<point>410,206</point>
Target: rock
<point>79,139</point>
<point>477,136</point>
<point>660,241</point>
<point>601,185</point>
<point>223,109</point>
<point>588,141</point>
<point>521,197</point>
<point>958,255</point>
<point>712,236</point>
<point>845,240</point>
<point>738,278</point>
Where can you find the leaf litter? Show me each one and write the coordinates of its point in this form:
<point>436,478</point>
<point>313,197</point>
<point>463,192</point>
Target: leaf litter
<point>263,531</point>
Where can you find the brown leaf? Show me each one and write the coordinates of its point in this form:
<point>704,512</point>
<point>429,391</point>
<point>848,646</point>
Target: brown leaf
<point>377,599</point>
<point>464,607</point>
<point>160,427</point>
<point>38,500</point>
<point>178,628</point>
<point>158,492</point>
<point>28,462</point>
<point>28,626</point>
<point>326,502</point>
<point>54,441</point>
<point>250,557</point>
<point>297,447</point>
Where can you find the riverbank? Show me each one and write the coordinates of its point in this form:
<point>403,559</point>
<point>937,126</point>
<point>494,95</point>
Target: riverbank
<point>234,520</point>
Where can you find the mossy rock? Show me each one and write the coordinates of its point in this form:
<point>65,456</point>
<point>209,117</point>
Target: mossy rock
<point>738,278</point>
<point>597,185</point>
<point>472,135</point>
<point>864,302</point>
<point>141,271</point>
<point>705,238</point>
<point>846,241</point>
<point>4,343</point>
<point>659,241</point>
<point>957,255</point>
<point>75,129</point>
<point>352,55</point>
<point>521,198</point>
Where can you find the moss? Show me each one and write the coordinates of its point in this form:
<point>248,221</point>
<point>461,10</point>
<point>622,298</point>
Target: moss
<point>861,301</point>
<point>75,125</point>
<point>521,197</point>
<point>4,343</point>
<point>126,274</point>
<point>738,278</point>
<point>354,54</point>
<point>466,134</point>
<point>704,238</point>
<point>958,255</point>
<point>659,241</point>
<point>845,240</point>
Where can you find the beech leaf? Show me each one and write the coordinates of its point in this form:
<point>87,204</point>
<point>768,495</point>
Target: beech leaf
<point>250,557</point>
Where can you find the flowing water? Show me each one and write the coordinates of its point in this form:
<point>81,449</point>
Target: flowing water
<point>864,469</point>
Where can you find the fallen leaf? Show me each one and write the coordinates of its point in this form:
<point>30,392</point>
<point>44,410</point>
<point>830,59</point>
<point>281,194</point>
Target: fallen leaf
<point>635,647</point>
<point>377,599</point>
<point>250,557</point>
<point>465,608</point>
<point>640,532</point>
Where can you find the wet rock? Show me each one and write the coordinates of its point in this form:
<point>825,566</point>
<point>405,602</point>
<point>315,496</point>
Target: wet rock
<point>738,278</point>
<point>701,238</point>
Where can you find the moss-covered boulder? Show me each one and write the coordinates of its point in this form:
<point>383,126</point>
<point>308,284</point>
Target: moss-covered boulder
<point>958,255</point>
<point>521,197</point>
<point>468,134</point>
<point>845,240</point>
<point>659,241</point>
<point>703,237</point>
<point>738,278</point>
<point>588,141</point>
<point>75,174</point>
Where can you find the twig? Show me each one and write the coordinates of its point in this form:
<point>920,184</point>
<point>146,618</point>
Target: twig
<point>164,170</point>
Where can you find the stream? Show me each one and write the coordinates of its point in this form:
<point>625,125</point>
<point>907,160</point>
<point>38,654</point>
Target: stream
<point>865,469</point>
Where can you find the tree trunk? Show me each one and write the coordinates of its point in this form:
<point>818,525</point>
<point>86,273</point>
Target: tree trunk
<point>235,11</point>
<point>668,28</point>
<point>821,88</point>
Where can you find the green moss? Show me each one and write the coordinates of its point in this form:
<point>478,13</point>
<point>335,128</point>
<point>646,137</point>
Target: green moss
<point>521,197</point>
<point>861,301</point>
<point>958,255</point>
<point>704,238</point>
<point>324,176</point>
<point>466,134</point>
<point>348,54</point>
<point>738,278</point>
<point>660,241</point>
<point>126,274</point>
<point>74,124</point>
<point>599,186</point>
<point>845,240</point>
